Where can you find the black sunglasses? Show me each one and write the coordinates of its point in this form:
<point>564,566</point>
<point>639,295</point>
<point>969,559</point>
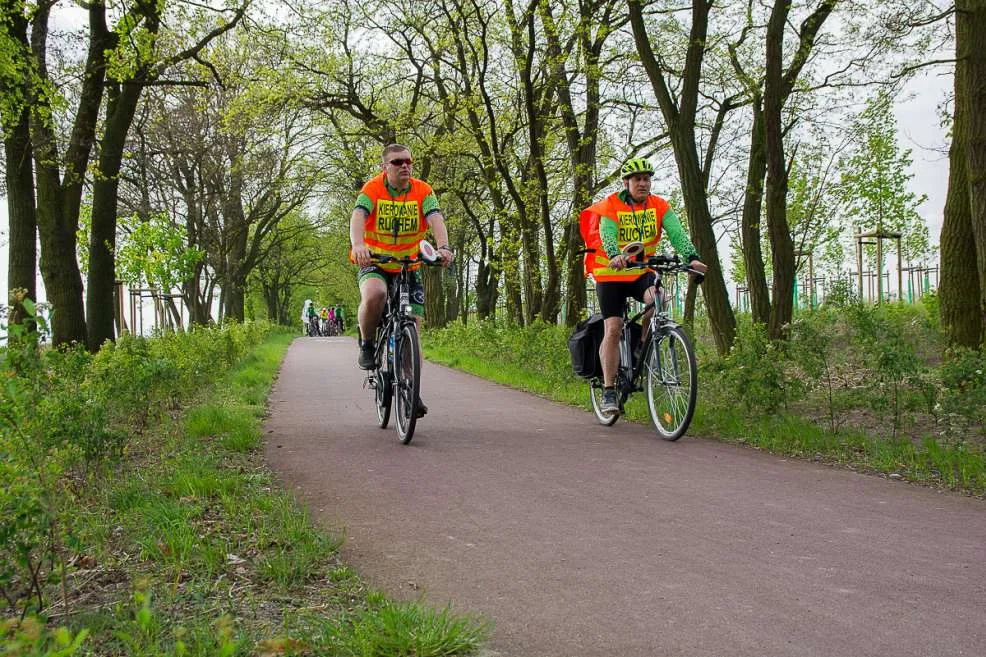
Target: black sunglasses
<point>399,162</point>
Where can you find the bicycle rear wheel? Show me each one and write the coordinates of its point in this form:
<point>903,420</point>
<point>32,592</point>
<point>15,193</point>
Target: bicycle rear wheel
<point>383,394</point>
<point>596,395</point>
<point>672,383</point>
<point>383,379</point>
<point>407,381</point>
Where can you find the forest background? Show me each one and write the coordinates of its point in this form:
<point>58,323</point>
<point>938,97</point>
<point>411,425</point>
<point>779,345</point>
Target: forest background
<point>215,152</point>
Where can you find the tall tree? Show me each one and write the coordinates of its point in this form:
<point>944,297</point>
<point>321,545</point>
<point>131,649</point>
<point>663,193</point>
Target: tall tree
<point>15,118</point>
<point>963,235</point>
<point>59,195</point>
<point>679,111</point>
<point>138,62</point>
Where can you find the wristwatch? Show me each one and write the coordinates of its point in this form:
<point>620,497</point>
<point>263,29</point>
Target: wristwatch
<point>445,247</point>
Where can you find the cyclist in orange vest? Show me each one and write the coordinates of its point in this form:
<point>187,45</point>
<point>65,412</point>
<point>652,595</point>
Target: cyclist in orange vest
<point>392,214</point>
<point>631,215</point>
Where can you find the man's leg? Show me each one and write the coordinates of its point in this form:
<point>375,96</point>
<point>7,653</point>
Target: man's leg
<point>373,297</point>
<point>612,299</point>
<point>649,295</point>
<point>609,349</point>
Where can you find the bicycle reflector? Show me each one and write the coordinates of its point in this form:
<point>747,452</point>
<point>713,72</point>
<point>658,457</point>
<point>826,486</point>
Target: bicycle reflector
<point>428,252</point>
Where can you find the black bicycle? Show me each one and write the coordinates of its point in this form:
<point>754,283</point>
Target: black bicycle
<point>666,368</point>
<point>397,372</point>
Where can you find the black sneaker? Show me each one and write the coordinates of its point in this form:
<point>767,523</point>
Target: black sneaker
<point>422,410</point>
<point>610,403</point>
<point>367,357</point>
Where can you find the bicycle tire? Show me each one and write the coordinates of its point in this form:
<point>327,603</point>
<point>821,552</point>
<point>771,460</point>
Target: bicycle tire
<point>672,383</point>
<point>407,381</point>
<point>596,397</point>
<point>383,379</point>
<point>383,394</point>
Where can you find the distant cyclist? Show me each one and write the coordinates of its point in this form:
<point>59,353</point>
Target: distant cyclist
<point>304,316</point>
<point>393,213</point>
<point>312,320</point>
<point>631,215</point>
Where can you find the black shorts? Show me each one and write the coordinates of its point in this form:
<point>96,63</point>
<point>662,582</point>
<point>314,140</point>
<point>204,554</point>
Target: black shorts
<point>613,295</point>
<point>417,289</point>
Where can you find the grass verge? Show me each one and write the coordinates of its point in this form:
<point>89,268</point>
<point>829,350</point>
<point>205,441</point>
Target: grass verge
<point>536,360</point>
<point>189,548</point>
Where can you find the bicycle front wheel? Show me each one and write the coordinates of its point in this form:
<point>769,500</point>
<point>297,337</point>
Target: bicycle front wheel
<point>407,381</point>
<point>672,383</point>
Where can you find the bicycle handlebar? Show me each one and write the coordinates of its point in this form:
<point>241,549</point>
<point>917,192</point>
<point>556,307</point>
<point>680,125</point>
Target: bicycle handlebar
<point>410,260</point>
<point>668,264</point>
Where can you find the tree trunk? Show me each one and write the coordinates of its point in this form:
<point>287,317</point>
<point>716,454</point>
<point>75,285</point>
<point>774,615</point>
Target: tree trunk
<point>22,263</point>
<point>971,31</point>
<point>782,247</point>
<point>961,287</point>
<point>431,280</point>
<point>756,278</point>
<point>120,112</point>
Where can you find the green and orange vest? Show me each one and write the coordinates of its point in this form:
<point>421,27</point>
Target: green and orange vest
<point>642,223</point>
<point>397,223</point>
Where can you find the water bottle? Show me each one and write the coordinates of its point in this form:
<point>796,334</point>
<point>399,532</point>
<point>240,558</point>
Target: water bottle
<point>390,349</point>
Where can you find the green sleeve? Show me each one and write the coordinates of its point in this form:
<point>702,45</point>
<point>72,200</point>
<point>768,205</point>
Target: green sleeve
<point>429,205</point>
<point>679,238</point>
<point>608,234</point>
<point>364,202</point>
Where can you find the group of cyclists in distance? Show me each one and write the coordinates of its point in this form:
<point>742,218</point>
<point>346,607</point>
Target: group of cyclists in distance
<point>323,321</point>
<point>394,211</point>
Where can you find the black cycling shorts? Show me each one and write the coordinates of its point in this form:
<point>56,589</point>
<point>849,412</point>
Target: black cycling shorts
<point>613,294</point>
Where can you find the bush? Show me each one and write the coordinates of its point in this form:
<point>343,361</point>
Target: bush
<point>65,414</point>
<point>962,403</point>
<point>757,372</point>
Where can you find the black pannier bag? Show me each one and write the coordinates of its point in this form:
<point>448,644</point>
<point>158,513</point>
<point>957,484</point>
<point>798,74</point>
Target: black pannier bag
<point>583,345</point>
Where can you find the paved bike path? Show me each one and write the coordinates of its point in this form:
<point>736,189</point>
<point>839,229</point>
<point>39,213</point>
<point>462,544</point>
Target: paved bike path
<point>580,540</point>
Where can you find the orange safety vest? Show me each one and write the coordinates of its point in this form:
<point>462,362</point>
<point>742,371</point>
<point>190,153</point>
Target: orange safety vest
<point>642,223</point>
<point>396,224</point>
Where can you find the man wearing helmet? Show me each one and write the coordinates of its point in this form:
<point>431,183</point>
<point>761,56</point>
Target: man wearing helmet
<point>631,215</point>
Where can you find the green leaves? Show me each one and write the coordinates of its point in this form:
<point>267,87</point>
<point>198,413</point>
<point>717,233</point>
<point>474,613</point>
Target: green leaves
<point>154,253</point>
<point>875,177</point>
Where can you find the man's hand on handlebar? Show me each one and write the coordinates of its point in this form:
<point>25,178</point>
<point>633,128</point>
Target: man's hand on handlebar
<point>698,270</point>
<point>618,262</point>
<point>361,254</point>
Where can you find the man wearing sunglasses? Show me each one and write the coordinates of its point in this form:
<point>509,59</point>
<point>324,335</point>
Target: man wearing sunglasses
<point>392,214</point>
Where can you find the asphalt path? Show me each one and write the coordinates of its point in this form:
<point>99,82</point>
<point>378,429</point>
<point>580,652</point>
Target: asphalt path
<point>582,540</point>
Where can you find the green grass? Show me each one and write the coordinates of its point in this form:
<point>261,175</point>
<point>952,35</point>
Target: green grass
<point>195,551</point>
<point>535,359</point>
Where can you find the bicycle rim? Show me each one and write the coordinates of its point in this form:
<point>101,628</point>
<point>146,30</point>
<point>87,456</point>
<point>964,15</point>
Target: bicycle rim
<point>596,396</point>
<point>407,381</point>
<point>672,383</point>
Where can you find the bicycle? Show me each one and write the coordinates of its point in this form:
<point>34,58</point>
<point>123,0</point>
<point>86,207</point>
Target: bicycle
<point>398,354</point>
<point>667,363</point>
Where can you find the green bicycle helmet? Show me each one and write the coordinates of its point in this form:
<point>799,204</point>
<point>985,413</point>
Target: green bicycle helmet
<point>634,166</point>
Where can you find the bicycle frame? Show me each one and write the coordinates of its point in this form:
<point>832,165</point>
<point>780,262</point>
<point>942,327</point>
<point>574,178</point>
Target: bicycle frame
<point>660,323</point>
